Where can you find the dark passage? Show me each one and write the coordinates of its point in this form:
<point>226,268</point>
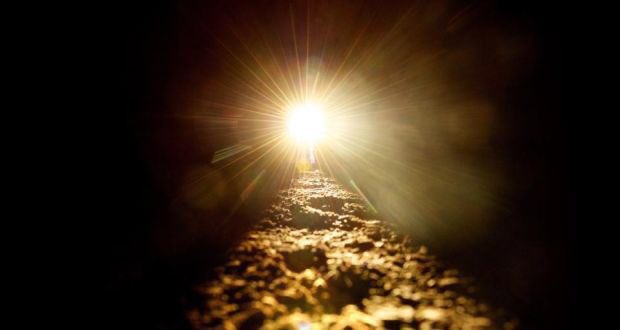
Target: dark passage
<point>458,135</point>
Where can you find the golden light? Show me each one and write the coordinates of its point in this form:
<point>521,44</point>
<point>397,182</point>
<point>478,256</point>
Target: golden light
<point>306,123</point>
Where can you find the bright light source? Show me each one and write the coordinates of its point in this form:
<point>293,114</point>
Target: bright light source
<point>306,123</point>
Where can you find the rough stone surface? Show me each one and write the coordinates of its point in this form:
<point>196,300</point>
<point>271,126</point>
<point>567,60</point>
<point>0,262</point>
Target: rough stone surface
<point>320,260</point>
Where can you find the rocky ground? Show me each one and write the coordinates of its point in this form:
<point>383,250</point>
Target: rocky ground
<point>319,259</point>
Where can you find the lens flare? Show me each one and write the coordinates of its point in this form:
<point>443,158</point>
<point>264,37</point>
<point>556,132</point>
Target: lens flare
<point>306,123</point>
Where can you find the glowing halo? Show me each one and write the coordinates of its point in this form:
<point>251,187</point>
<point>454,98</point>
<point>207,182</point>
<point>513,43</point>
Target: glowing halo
<point>306,123</point>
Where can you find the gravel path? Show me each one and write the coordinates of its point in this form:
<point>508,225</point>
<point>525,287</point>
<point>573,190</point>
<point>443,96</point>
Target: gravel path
<point>320,260</point>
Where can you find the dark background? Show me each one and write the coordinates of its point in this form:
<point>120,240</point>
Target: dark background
<point>147,67</point>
